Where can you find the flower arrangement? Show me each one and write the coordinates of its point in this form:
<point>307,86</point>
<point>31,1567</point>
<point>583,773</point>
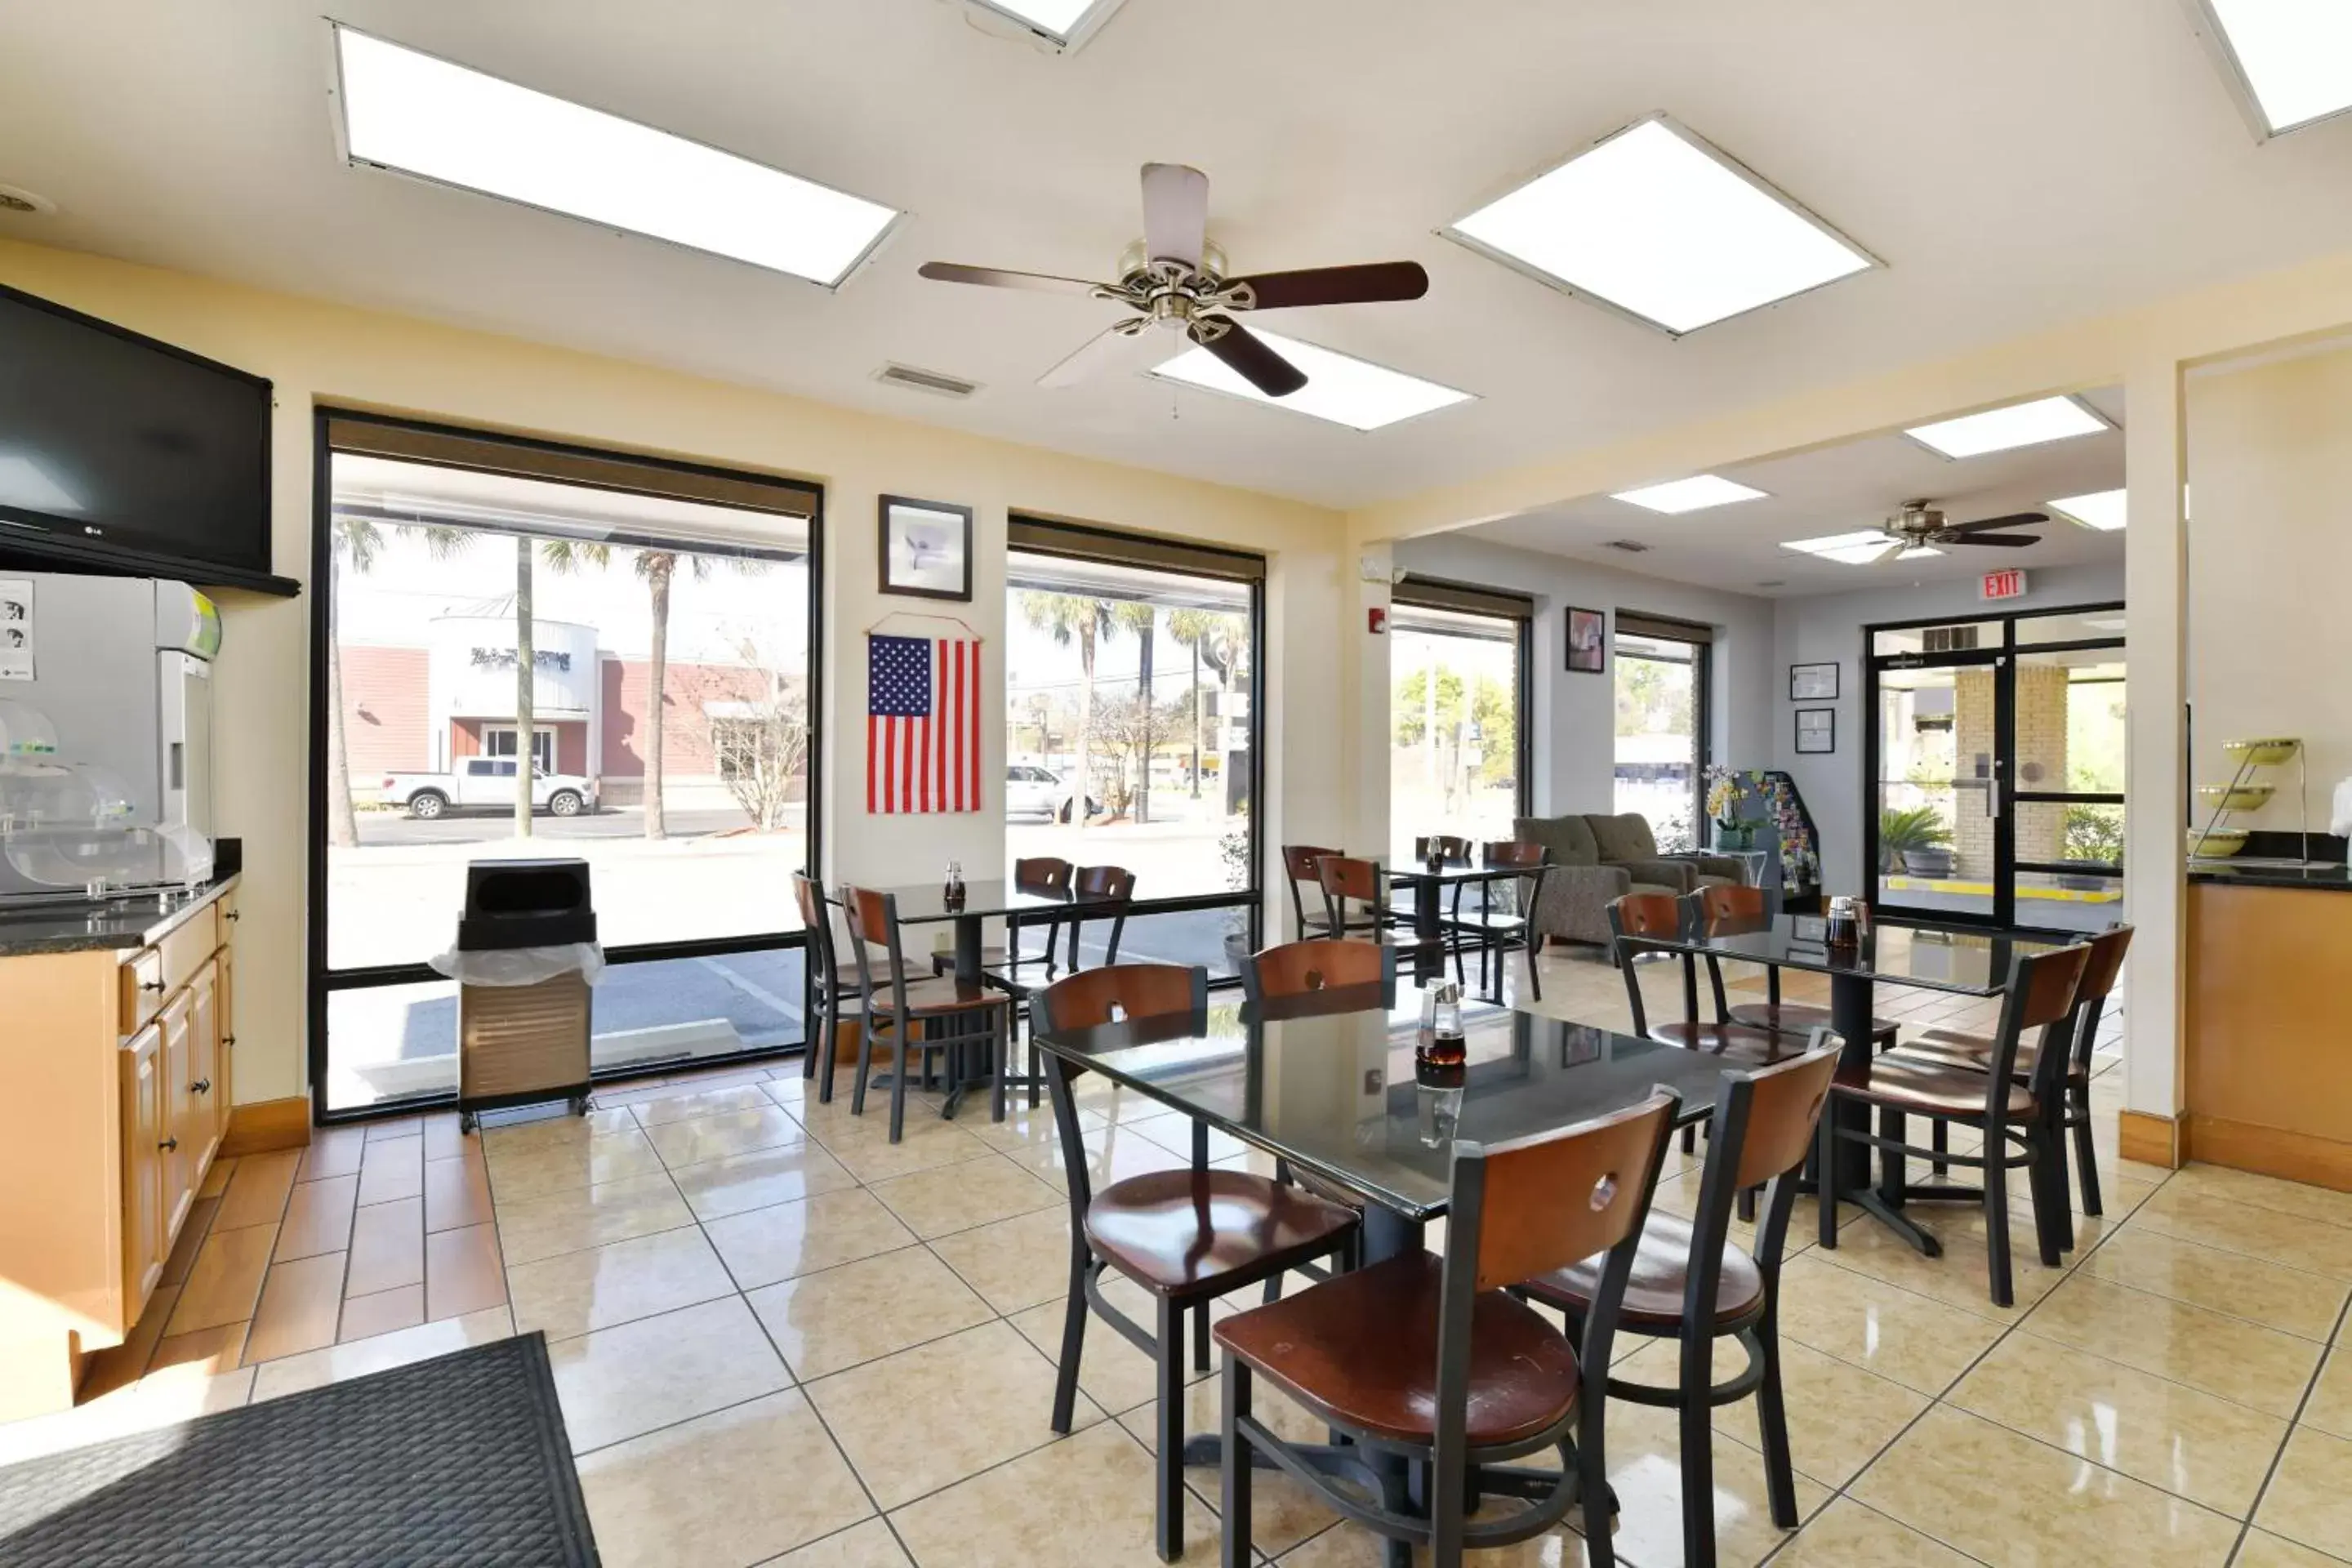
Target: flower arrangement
<point>1725,790</point>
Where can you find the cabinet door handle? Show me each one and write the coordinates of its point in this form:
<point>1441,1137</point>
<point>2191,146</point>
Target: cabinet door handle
<point>228,1039</point>
<point>202,1086</point>
<point>150,985</point>
<point>169,1145</point>
<point>232,916</point>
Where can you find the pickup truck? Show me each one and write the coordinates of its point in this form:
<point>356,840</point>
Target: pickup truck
<point>484,784</point>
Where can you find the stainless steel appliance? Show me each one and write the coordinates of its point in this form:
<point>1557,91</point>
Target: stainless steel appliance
<point>105,735</point>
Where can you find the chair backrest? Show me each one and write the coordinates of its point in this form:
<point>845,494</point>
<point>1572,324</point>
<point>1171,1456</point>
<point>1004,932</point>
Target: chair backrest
<point>1538,1203</point>
<point>1298,866</point>
<point>1725,901</point>
<point>2101,970</point>
<point>873,918</point>
<point>1043,873</point>
<point>1346,877</point>
<point>1110,883</point>
<point>1646,914</point>
<point>1319,964</point>
<point>1511,852</point>
<point>1117,992</point>
<point>1764,1120</point>
<point>1109,890</point>
<point>816,919</point>
<point>1452,850</point>
<point>2040,995</point>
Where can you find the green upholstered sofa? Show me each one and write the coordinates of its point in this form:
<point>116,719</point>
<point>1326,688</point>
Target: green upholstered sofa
<point>1597,860</point>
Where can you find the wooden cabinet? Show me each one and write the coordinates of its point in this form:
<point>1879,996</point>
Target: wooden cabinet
<point>224,1013</point>
<point>146,1163</point>
<point>207,1104</point>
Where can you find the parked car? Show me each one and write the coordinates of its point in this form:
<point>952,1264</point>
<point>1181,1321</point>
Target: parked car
<point>486,784</point>
<point>1032,790</point>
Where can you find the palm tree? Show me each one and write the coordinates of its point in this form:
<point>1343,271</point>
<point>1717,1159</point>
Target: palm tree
<point>656,569</point>
<point>1139,619</point>
<point>1212,634</point>
<point>526,675</point>
<point>1085,620</point>
<point>354,546</point>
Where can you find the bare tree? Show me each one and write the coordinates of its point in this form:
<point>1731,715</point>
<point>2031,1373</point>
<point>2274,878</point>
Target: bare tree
<point>762,753</point>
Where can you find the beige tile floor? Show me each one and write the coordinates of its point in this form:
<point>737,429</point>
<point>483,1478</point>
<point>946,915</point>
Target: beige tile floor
<point>781,1339</point>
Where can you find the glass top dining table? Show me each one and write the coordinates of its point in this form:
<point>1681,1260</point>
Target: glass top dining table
<point>1933,958</point>
<point>984,898</point>
<point>1334,1090</point>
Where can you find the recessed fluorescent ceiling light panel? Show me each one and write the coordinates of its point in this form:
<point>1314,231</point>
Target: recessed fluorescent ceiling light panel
<point>1694,494</point>
<point>2102,511</point>
<point>2294,58</point>
<point>1345,391</point>
<point>1659,224</point>
<point>1066,24</point>
<point>410,113</point>
<point>1846,549</point>
<point>2000,429</point>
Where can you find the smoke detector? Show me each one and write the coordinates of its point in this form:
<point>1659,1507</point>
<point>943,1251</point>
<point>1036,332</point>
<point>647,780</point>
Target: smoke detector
<point>17,199</point>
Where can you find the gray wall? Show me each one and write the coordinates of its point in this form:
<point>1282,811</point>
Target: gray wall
<point>1821,629</point>
<point>1574,728</point>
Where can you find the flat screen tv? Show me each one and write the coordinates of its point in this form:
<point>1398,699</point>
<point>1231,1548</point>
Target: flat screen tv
<point>122,447</point>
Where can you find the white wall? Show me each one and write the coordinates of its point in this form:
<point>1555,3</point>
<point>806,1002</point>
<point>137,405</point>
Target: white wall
<point>1825,627</point>
<point>1574,730</point>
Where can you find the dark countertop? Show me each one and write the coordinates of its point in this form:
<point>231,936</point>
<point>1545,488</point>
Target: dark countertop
<point>118,924</point>
<point>2232,874</point>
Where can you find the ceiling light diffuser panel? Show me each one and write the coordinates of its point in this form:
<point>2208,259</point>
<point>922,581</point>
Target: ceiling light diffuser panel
<point>1065,24</point>
<point>2005,430</point>
<point>1694,494</point>
<point>1859,548</point>
<point>2291,59</point>
<point>414,114</point>
<point>1659,224</point>
<point>2103,509</point>
<point>1351,392</point>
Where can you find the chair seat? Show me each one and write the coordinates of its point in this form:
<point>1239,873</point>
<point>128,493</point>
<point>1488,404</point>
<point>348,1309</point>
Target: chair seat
<point>993,956</point>
<point>1360,1351</point>
<point>1934,1088</point>
<point>1654,1295</point>
<point>1724,1039</point>
<point>932,998</point>
<point>1800,1018</point>
<point>1183,1232</point>
<point>1956,1047</point>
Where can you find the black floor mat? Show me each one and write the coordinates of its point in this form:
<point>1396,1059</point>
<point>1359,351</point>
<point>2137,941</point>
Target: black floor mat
<point>460,1460</point>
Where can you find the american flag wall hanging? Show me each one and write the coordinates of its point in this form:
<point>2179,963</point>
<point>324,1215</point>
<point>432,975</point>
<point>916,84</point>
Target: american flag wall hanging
<point>922,724</point>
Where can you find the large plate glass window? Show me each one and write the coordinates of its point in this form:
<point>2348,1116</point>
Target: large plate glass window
<point>669,618</point>
<point>1457,714</point>
<point>1132,728</point>
<point>1661,673</point>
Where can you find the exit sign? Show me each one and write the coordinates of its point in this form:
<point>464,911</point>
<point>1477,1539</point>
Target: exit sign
<point>2008,584</point>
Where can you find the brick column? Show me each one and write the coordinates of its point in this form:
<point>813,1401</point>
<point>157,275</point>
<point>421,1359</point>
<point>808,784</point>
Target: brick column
<point>2040,761</point>
<point>1973,748</point>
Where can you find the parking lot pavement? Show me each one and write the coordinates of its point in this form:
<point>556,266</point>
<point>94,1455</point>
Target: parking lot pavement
<point>385,827</point>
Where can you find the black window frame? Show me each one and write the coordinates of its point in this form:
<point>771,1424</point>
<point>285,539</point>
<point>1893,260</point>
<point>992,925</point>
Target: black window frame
<point>1035,534</point>
<point>321,980</point>
<point>2003,659</point>
<point>1418,592</point>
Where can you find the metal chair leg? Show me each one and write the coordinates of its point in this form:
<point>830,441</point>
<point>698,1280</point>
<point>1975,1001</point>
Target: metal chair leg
<point>1996,1211</point>
<point>864,1065</point>
<point>2086,1158</point>
<point>1074,1341</point>
<point>1200,1337</point>
<point>1697,1433</point>
<point>1233,1477</point>
<point>1825,1183</point>
<point>1940,1138</point>
<point>900,1032</point>
<point>1169,1508</point>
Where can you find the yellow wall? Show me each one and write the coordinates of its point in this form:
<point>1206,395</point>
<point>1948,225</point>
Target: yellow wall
<point>2270,563</point>
<point>317,352</point>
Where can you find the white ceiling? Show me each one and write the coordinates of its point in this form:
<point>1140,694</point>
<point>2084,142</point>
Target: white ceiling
<point>2015,162</point>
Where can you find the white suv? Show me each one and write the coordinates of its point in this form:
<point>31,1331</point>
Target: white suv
<point>1030,791</point>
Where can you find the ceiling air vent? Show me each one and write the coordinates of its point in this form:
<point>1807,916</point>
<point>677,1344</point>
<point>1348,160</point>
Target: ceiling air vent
<point>931,381</point>
<point>1630,546</point>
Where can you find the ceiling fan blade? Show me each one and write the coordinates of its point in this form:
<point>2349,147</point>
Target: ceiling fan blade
<point>1988,524</point>
<point>1112,352</point>
<point>1248,356</point>
<point>998,277</point>
<point>2006,540</point>
<point>1175,213</point>
<point>1372,281</point>
<point>1889,551</point>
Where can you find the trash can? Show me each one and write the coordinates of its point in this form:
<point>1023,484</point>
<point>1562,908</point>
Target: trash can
<point>525,958</point>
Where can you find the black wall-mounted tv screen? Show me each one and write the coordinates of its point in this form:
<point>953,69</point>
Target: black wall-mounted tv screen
<point>109,440</point>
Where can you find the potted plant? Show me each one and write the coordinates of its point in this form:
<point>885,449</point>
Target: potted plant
<point>1915,838</point>
<point>1723,794</point>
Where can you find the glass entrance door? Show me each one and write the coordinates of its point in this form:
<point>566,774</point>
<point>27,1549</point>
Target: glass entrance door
<point>1996,763</point>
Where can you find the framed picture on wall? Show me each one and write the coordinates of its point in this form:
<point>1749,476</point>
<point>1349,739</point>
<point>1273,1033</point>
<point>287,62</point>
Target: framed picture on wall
<point>1812,682</point>
<point>1816,731</point>
<point>1588,641</point>
<point>926,549</point>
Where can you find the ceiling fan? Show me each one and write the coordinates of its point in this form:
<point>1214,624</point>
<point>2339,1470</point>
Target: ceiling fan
<point>1175,280</point>
<point>1919,526</point>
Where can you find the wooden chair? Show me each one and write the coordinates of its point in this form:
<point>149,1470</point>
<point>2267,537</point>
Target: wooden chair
<point>1690,1284</point>
<point>1186,1237</point>
<point>1035,873</point>
<point>2040,995</point>
<point>1729,904</point>
<point>1959,1048</point>
<point>1297,968</point>
<point>1637,915</point>
<point>1500,924</point>
<point>913,1019</point>
<point>1452,850</point>
<point>1300,863</point>
<point>1347,880</point>
<point>1419,1359</point>
<point>1114,886</point>
<point>832,982</point>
